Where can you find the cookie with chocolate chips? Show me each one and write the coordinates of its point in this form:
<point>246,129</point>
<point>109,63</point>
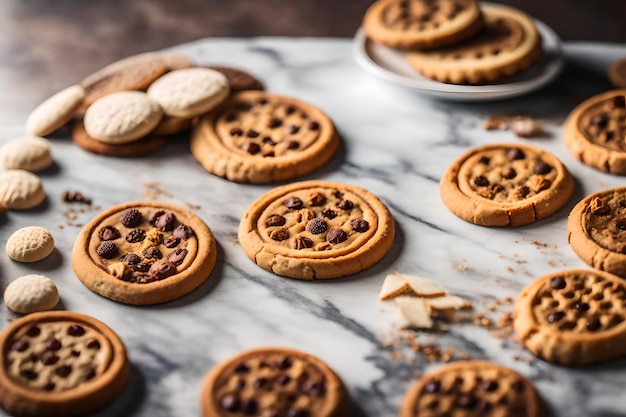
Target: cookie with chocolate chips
<point>574,317</point>
<point>422,24</point>
<point>258,137</point>
<point>144,253</point>
<point>506,185</point>
<point>473,388</point>
<point>274,382</point>
<point>316,230</point>
<point>595,130</point>
<point>508,44</point>
<point>60,363</point>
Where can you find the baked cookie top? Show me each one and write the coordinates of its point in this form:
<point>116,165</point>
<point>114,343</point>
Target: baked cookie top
<point>472,388</point>
<point>505,185</point>
<point>157,246</point>
<point>316,229</point>
<point>261,137</point>
<point>508,43</point>
<point>583,309</point>
<point>274,382</point>
<point>422,23</point>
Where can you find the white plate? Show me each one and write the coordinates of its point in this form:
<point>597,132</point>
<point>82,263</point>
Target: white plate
<point>391,65</point>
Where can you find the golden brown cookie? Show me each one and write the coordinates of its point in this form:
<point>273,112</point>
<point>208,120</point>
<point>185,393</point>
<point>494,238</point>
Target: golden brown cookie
<point>422,24</point>
<point>144,146</point>
<point>574,317</point>
<point>594,132</point>
<point>316,230</point>
<point>505,185</point>
<point>144,252</point>
<point>239,80</point>
<point>596,230</point>
<point>259,137</point>
<point>171,125</point>
<point>472,389</point>
<point>617,73</point>
<point>60,363</point>
<point>508,44</point>
<point>274,382</point>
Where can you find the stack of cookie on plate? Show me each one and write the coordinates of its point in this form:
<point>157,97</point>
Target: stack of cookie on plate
<point>456,41</point>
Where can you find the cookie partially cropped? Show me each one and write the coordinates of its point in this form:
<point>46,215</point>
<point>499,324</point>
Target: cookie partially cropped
<point>422,24</point>
<point>20,190</point>
<point>472,388</point>
<point>574,317</point>
<point>144,253</point>
<point>508,44</point>
<point>259,137</point>
<point>316,230</point>
<point>506,185</point>
<point>594,132</point>
<point>274,382</point>
<point>60,363</point>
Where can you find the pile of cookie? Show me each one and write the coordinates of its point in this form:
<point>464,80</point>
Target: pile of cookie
<point>456,41</point>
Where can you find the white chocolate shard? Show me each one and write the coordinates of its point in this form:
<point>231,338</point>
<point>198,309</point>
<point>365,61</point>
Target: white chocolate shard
<point>423,287</point>
<point>448,302</point>
<point>393,286</point>
<point>415,311</point>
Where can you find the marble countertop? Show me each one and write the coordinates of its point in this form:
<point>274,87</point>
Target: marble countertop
<point>396,144</point>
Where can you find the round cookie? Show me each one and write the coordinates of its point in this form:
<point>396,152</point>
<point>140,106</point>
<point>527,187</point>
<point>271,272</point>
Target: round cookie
<point>189,92</point>
<point>594,132</point>
<point>144,252</point>
<point>316,230</point>
<point>617,73</point>
<point>60,363</point>
<point>473,388</point>
<point>20,190</point>
<point>171,125</point>
<point>258,137</point>
<point>237,79</point>
<point>143,146</point>
<point>422,24</point>
<point>274,382</point>
<point>122,117</point>
<point>31,293</point>
<point>30,244</point>
<point>575,317</point>
<point>29,153</point>
<point>508,44</point>
<point>505,185</point>
<point>55,111</point>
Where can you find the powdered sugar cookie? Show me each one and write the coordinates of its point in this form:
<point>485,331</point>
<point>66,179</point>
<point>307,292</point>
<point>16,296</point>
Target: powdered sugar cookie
<point>29,153</point>
<point>31,293</point>
<point>55,111</point>
<point>30,244</point>
<point>20,190</point>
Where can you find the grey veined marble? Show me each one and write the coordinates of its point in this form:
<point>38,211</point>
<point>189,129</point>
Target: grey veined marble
<point>395,144</point>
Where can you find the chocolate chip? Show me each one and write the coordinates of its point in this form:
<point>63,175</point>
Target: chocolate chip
<point>316,226</point>
<point>284,363</point>
<point>313,125</point>
<point>283,379</point>
<point>244,106</point>
<point>484,160</point>
<point>165,223</point>
<point>515,153</point>
<point>251,148</point>
<point>261,382</point>
<point>178,256</point>
<point>620,224</point>
<point>262,101</point>
<point>236,131</point>
<point>338,194</point>
<point>49,358</point>
<point>619,102</point>
<point>609,136</point>
<point>63,371</point>
<point>76,330</point>
<point>467,401</point>
<point>557,283</point>
<point>141,267</point>
<point>522,191</point>
<point>156,215</point>
<point>270,154</point>
<point>93,344</point>
<point>161,270</point>
<point>183,231</point>
<point>89,373</point>
<point>75,197</point>
<point>53,344</point>
<point>279,233</point>
<point>49,386</point>
<point>107,249</point>
<point>75,353</point>
<point>292,144</point>
<point>293,203</point>
<point>231,117</point>
<point>345,205</point>
<point>290,109</point>
<point>481,181</point>
<point>329,213</point>
<point>20,345</point>
<point>600,120</point>
<point>593,324</point>
<point>136,236</point>
<point>301,242</point>
<point>275,220</point>
<point>274,123</point>
<point>131,259</point>
<point>336,236</point>
<point>230,402</point>
<point>253,133</point>
<point>360,225</point>
<point>517,386</point>
<point>580,306</point>
<point>291,129</point>
<point>313,388</point>
<point>34,331</point>
<point>171,242</point>
<point>28,374</point>
<point>509,175</point>
<point>297,412</point>
<point>555,317</point>
<point>268,140</point>
<point>131,218</point>
<point>152,253</point>
<point>108,233</point>
<point>490,386</point>
<point>242,368</point>
<point>250,407</point>
<point>542,168</point>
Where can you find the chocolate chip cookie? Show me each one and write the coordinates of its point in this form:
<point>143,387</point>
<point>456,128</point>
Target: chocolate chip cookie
<point>594,132</point>
<point>316,230</point>
<point>473,388</point>
<point>60,363</point>
<point>508,44</point>
<point>506,185</point>
<point>422,24</point>
<point>144,253</point>
<point>258,137</point>
<point>274,382</point>
<point>574,317</point>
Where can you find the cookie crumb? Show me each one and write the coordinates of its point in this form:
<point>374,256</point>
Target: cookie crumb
<point>527,127</point>
<point>75,197</point>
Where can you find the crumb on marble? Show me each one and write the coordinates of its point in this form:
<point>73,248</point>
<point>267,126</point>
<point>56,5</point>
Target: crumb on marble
<point>153,190</point>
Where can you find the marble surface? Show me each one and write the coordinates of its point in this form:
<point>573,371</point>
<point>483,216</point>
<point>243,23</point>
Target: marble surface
<point>395,144</point>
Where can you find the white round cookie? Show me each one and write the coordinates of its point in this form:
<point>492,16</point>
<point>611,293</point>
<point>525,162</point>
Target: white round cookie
<point>20,190</point>
<point>189,92</point>
<point>122,117</point>
<point>55,111</point>
<point>30,153</point>
<point>30,244</point>
<point>31,293</point>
